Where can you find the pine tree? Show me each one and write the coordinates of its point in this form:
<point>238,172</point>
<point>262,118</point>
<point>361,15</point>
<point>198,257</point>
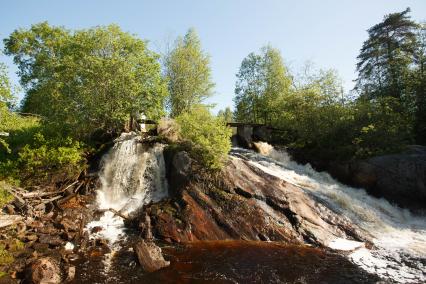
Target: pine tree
<point>385,57</point>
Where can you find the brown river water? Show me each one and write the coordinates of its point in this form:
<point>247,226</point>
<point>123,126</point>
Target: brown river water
<point>228,262</point>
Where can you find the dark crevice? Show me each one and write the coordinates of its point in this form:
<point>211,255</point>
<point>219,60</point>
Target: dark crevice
<point>291,216</point>
<point>242,192</point>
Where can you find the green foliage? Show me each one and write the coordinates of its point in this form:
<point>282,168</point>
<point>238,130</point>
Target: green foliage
<point>187,68</point>
<point>209,135</point>
<point>419,86</point>
<point>86,80</point>
<point>9,248</point>
<point>226,114</point>
<point>43,161</point>
<point>385,57</point>
<point>50,160</point>
<point>5,256</point>
<point>380,128</point>
<point>6,94</point>
<point>262,82</point>
<point>392,63</point>
<point>5,196</point>
<point>32,153</point>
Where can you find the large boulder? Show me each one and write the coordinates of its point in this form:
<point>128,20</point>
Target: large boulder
<point>400,178</point>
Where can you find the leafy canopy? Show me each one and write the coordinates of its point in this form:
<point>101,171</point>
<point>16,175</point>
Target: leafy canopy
<point>386,55</point>
<point>262,81</point>
<point>187,68</point>
<point>86,80</point>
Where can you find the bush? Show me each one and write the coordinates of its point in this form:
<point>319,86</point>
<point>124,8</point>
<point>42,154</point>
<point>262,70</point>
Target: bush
<point>31,151</point>
<point>336,131</point>
<point>209,136</point>
<point>49,161</point>
<point>380,127</point>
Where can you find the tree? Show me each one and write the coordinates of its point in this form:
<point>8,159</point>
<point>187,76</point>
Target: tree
<point>86,80</point>
<point>187,68</point>
<point>420,86</point>
<point>6,92</point>
<point>385,57</point>
<point>5,97</point>
<point>226,114</point>
<point>261,82</point>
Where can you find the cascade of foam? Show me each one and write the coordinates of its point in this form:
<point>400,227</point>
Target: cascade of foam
<point>131,176</point>
<point>399,237</point>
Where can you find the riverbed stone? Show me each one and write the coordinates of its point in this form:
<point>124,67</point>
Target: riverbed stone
<point>150,256</point>
<point>45,270</point>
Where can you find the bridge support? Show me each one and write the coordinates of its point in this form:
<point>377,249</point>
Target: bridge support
<point>247,133</point>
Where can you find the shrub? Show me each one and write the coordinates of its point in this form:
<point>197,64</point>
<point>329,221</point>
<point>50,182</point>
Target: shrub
<point>31,151</point>
<point>337,131</point>
<point>209,136</point>
<point>380,127</point>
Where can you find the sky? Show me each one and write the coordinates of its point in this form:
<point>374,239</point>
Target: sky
<point>328,33</point>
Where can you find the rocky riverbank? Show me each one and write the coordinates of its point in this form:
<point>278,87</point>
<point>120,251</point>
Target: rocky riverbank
<point>255,206</point>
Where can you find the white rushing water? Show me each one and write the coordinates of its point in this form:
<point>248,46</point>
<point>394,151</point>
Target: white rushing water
<point>131,176</point>
<point>399,237</point>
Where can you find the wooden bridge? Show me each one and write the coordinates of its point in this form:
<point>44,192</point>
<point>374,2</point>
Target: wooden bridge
<point>246,132</point>
<point>253,125</point>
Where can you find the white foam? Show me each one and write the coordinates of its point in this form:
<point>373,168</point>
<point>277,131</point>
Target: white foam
<point>344,244</point>
<point>69,246</point>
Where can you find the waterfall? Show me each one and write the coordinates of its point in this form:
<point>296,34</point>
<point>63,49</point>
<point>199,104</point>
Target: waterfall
<point>131,175</point>
<point>399,238</point>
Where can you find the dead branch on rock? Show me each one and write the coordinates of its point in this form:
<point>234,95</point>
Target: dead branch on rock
<point>33,203</point>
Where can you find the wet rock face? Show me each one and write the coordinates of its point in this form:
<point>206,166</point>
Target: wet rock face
<point>244,203</point>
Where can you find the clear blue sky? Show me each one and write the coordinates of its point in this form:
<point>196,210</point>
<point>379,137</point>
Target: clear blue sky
<point>327,32</point>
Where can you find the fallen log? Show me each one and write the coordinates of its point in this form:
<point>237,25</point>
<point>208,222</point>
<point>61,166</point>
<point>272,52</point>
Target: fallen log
<point>9,220</point>
<point>118,213</point>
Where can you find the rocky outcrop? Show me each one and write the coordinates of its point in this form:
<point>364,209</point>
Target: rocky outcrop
<point>400,178</point>
<point>240,203</point>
